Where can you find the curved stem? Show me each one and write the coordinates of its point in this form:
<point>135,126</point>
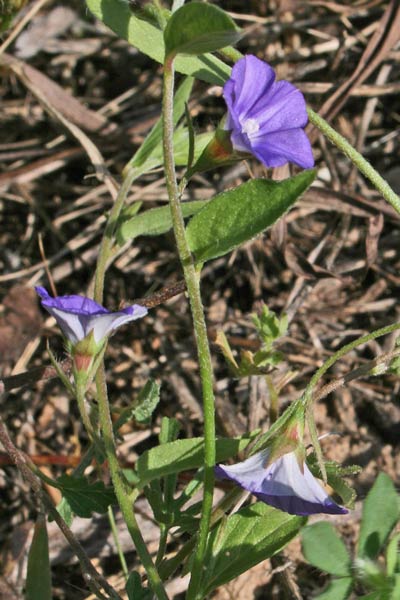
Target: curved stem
<point>121,489</point>
<point>192,279</point>
<point>307,397</point>
<point>356,158</point>
<point>80,398</point>
<point>108,236</point>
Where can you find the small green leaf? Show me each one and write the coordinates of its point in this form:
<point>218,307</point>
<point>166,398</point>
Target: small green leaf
<point>65,511</point>
<point>324,549</point>
<point>38,578</point>
<point>238,215</point>
<point>86,498</point>
<point>148,38</point>
<point>135,590</point>
<point>197,28</point>
<point>338,589</point>
<point>184,455</point>
<point>379,517</point>
<point>244,539</point>
<point>142,407</point>
<point>154,221</point>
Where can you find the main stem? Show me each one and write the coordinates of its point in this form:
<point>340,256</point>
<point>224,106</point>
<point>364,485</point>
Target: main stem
<point>122,491</point>
<point>360,162</point>
<point>192,279</point>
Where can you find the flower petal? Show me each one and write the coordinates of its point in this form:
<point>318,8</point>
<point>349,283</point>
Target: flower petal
<point>266,118</point>
<point>276,149</point>
<point>252,79</point>
<point>281,484</point>
<point>284,108</point>
<point>103,325</point>
<point>77,316</point>
<point>74,304</point>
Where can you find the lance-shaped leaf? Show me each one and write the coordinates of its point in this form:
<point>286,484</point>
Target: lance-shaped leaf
<point>38,578</point>
<point>197,28</point>
<point>154,221</point>
<point>245,539</point>
<point>324,549</point>
<point>149,39</point>
<point>152,145</point>
<point>380,515</point>
<point>238,215</point>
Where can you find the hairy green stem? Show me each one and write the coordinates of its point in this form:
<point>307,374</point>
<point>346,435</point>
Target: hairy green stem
<point>108,236</point>
<point>356,158</point>
<point>307,397</point>
<point>81,401</point>
<point>192,279</point>
<point>121,488</point>
<point>117,543</point>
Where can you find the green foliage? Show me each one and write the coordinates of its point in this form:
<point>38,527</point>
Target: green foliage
<point>153,221</point>
<point>151,148</point>
<point>143,406</point>
<point>85,498</point>
<point>244,539</point>
<point>325,550</point>
<point>338,589</point>
<point>335,473</point>
<point>183,455</point>
<point>380,515</point>
<point>238,215</point>
<point>147,37</point>
<point>269,328</point>
<point>197,28</point>
<point>135,590</point>
<point>38,578</point>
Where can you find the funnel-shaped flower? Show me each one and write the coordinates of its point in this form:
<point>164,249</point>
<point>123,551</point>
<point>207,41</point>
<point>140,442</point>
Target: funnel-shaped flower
<point>266,117</point>
<point>282,484</point>
<point>78,316</point>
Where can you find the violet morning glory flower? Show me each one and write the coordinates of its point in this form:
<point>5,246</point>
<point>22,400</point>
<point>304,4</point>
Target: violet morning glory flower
<point>282,484</point>
<point>77,316</point>
<point>266,117</point>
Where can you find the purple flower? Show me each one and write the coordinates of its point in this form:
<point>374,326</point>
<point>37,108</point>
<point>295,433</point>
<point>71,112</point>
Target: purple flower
<point>77,316</point>
<point>266,117</point>
<point>282,484</point>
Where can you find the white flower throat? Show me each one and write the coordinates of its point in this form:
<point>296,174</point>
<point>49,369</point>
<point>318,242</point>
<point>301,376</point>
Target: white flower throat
<point>251,127</point>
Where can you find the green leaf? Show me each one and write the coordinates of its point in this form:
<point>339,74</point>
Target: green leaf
<point>135,590</point>
<point>244,539</point>
<point>184,455</point>
<point>238,215</point>
<point>65,511</point>
<point>335,474</point>
<point>338,589</point>
<point>324,549</point>
<point>148,400</point>
<point>86,498</point>
<point>393,556</point>
<point>379,517</point>
<point>197,28</point>
<point>148,38</point>
<point>152,145</point>
<point>38,578</point>
<point>154,221</point>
